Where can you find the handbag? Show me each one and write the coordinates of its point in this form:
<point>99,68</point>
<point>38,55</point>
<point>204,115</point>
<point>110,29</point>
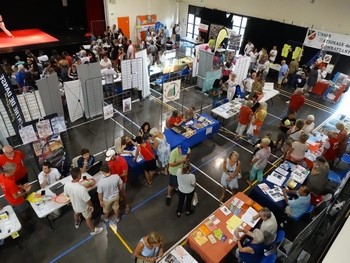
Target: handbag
<point>251,129</point>
<point>290,140</point>
<point>195,199</point>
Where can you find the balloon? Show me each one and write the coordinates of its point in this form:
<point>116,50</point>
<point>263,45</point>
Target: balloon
<point>161,25</point>
<point>156,28</point>
<point>138,27</point>
<point>149,18</point>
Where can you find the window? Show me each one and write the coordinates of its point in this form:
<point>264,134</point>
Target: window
<point>193,22</point>
<point>238,27</point>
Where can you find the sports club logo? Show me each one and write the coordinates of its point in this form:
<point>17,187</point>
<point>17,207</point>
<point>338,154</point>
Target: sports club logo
<point>171,91</point>
<point>311,34</point>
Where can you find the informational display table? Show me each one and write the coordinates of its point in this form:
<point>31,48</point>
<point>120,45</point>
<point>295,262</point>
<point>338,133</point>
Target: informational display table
<point>175,139</point>
<point>178,255</point>
<point>191,40</point>
<point>217,225</point>
<point>320,87</point>
<point>9,223</point>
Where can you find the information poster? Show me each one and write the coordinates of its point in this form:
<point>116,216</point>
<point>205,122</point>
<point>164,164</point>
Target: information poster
<point>108,111</point>
<point>28,134</point>
<point>127,105</point>
<point>171,90</point>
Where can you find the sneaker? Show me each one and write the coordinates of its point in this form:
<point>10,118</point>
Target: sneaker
<point>168,201</point>
<point>106,220</point>
<point>98,230</point>
<point>77,224</point>
<point>117,220</point>
<point>288,101</point>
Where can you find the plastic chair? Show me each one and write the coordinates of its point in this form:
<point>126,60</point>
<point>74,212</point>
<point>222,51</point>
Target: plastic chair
<point>334,177</point>
<point>308,211</point>
<point>162,79</point>
<point>75,161</point>
<point>345,159</point>
<point>269,259</point>
<point>118,144</point>
<point>279,237</point>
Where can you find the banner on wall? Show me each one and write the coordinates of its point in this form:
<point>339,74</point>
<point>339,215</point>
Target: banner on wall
<point>10,101</point>
<point>171,90</point>
<point>328,41</point>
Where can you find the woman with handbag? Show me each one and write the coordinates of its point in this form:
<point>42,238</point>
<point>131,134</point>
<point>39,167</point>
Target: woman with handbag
<point>231,173</point>
<point>149,248</point>
<point>162,147</point>
<point>187,183</point>
<point>258,120</point>
<point>150,165</point>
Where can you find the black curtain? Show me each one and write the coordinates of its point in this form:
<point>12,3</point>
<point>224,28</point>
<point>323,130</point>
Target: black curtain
<point>215,16</point>
<point>48,15</point>
<point>268,33</point>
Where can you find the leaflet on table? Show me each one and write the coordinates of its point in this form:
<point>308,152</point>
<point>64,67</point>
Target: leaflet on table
<point>298,177</point>
<point>248,217</point>
<point>225,210</point>
<point>275,194</point>
<point>181,254</point>
<point>276,178</point>
<point>281,171</point>
<point>234,222</point>
<point>199,237</point>
<point>287,165</point>
<point>264,187</point>
<point>214,219</point>
<point>43,209</point>
<point>210,225</point>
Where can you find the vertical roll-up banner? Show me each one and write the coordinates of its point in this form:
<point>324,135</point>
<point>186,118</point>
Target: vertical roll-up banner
<point>10,101</point>
<point>221,36</point>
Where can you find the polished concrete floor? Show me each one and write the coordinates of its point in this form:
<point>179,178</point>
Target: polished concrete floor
<point>149,212</point>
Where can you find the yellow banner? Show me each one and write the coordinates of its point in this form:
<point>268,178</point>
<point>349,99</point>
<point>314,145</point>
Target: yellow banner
<point>221,36</point>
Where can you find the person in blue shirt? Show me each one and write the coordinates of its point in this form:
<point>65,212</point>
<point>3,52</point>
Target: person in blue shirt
<point>20,76</point>
<point>282,74</point>
<point>251,251</point>
<point>86,160</point>
<point>298,206</point>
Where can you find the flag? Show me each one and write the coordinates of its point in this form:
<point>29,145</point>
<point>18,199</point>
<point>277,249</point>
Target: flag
<point>221,36</point>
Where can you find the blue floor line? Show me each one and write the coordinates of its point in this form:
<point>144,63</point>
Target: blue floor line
<point>150,198</point>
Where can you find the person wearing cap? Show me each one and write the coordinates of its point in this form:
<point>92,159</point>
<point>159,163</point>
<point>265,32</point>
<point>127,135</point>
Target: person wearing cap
<point>178,157</point>
<point>108,189</point>
<point>285,125</point>
<point>18,61</point>
<point>253,250</point>
<point>119,166</point>
<point>309,125</point>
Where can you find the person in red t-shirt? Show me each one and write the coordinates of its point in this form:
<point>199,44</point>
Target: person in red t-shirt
<point>331,148</point>
<point>244,118</point>
<point>297,101</point>
<point>15,194</point>
<point>119,166</point>
<point>175,119</point>
<point>16,157</point>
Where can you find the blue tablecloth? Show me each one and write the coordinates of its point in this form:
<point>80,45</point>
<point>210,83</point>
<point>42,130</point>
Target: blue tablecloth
<point>175,139</point>
<point>264,199</point>
<point>135,169</point>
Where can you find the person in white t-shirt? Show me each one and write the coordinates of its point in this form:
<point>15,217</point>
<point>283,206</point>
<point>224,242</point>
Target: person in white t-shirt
<point>108,189</point>
<point>48,175</point>
<point>249,47</point>
<point>130,52</point>
<point>254,54</point>
<point>247,83</point>
<point>273,54</point>
<point>309,125</point>
<point>81,202</point>
<point>322,73</point>
<point>109,75</point>
<point>231,86</point>
<point>105,62</point>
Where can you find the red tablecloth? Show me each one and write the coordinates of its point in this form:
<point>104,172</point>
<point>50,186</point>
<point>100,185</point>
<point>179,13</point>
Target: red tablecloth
<point>320,88</point>
<point>215,253</point>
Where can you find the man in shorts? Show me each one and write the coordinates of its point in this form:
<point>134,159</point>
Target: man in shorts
<point>177,158</point>
<point>108,189</point>
<point>81,202</point>
<point>118,165</point>
<point>282,74</point>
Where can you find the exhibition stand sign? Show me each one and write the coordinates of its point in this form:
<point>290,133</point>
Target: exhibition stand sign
<point>171,90</point>
<point>328,41</point>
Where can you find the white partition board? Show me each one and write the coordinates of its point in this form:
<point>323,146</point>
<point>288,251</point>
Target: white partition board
<point>75,100</point>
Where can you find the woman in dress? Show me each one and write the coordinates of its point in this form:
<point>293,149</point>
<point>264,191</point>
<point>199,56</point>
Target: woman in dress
<point>187,183</point>
<point>231,87</point>
<point>73,73</point>
<point>149,248</point>
<point>150,165</point>
<point>342,139</point>
<point>229,178</point>
<point>162,147</point>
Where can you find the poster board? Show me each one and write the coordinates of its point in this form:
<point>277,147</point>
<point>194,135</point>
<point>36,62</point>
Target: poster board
<point>210,77</point>
<point>171,90</point>
<point>143,23</point>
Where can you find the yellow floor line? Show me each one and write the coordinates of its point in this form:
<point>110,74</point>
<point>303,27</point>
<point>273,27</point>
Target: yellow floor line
<point>112,226</point>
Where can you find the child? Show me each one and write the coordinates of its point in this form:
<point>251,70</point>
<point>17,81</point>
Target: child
<point>257,145</point>
<point>259,161</point>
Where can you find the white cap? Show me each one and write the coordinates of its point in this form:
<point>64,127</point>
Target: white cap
<point>109,154</point>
